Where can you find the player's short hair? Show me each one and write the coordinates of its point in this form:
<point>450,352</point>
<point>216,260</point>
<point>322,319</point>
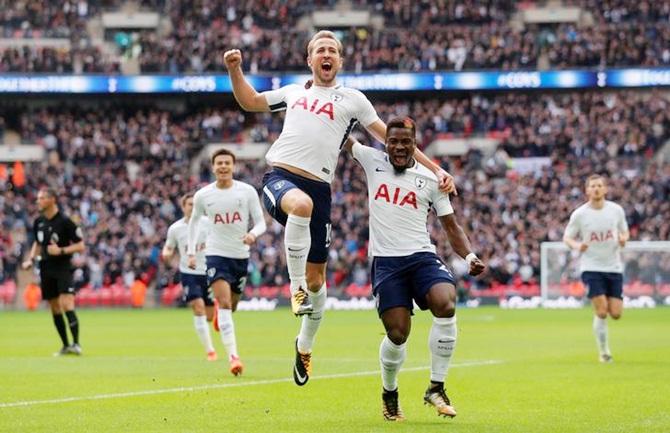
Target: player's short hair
<point>51,192</point>
<point>402,123</point>
<point>186,197</point>
<point>324,34</point>
<point>220,152</point>
<point>594,177</point>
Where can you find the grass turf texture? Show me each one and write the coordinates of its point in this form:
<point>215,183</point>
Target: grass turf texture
<point>548,378</point>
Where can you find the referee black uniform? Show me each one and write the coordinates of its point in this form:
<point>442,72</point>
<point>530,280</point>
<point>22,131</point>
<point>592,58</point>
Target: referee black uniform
<point>56,270</point>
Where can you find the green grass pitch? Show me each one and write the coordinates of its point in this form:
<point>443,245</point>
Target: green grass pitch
<point>513,371</point>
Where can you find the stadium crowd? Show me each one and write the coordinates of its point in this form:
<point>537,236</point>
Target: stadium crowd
<point>126,169</point>
<point>474,34</point>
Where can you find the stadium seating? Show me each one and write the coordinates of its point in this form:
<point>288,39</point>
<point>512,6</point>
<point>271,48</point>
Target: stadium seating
<point>455,36</point>
<point>128,168</point>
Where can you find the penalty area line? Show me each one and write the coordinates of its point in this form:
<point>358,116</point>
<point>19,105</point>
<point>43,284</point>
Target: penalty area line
<point>221,386</point>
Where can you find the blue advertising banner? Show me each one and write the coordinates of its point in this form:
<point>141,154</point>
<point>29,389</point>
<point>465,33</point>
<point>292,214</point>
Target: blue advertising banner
<point>443,81</point>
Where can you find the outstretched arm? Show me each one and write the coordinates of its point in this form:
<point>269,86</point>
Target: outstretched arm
<point>248,98</point>
<point>461,244</point>
<point>446,181</point>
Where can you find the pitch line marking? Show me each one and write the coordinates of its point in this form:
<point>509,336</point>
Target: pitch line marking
<point>220,386</point>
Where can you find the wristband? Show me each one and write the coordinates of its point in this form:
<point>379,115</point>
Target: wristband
<point>470,258</point>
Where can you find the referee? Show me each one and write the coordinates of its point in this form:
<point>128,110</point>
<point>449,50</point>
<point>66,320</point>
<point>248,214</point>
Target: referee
<point>56,239</point>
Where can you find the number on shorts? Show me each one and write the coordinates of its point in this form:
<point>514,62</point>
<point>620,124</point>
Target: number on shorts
<point>329,228</point>
<point>243,284</point>
<point>443,267</point>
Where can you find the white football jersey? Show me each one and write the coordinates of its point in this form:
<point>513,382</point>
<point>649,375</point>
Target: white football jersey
<point>399,204</point>
<point>177,237</point>
<point>317,124</point>
<point>228,212</point>
<point>600,229</point>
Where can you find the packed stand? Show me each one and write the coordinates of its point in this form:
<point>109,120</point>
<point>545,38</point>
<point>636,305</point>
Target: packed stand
<point>63,19</point>
<point>125,171</point>
<point>455,36</point>
<point>467,35</point>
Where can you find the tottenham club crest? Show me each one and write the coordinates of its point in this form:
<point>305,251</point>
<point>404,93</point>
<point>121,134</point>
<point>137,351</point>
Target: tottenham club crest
<point>336,97</point>
<point>420,182</point>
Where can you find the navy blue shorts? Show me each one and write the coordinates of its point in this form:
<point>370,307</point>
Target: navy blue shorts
<point>195,287</point>
<point>609,284</point>
<point>397,281</point>
<point>278,182</point>
<point>233,271</point>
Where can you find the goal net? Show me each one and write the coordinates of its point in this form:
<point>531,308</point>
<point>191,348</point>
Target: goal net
<point>646,271</point>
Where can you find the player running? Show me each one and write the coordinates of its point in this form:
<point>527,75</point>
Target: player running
<point>229,205</point>
<point>601,226</point>
<point>193,281</point>
<point>405,266</point>
<point>296,192</point>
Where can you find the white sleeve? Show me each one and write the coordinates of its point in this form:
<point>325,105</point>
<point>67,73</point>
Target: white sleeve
<point>256,213</point>
<point>203,230</point>
<point>193,224</point>
<point>171,241</point>
<point>276,99</point>
<point>363,154</point>
<point>622,225</point>
<point>367,115</point>
<point>441,202</point>
<point>573,228</point>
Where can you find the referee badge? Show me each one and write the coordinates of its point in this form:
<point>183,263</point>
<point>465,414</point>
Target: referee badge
<point>40,236</point>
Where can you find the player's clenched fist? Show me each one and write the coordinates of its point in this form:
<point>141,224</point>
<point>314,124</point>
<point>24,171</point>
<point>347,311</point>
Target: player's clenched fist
<point>232,58</point>
<point>476,267</point>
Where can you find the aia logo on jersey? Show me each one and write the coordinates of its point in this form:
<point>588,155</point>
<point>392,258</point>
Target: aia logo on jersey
<point>399,198</point>
<point>227,218</point>
<point>315,107</point>
<point>601,236</point>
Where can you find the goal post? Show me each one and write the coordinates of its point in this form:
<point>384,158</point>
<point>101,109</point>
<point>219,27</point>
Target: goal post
<point>646,271</point>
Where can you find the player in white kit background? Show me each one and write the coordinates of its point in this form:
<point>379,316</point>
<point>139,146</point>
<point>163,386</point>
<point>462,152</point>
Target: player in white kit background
<point>230,206</point>
<point>599,231</point>
<point>296,192</point>
<point>193,281</point>
<point>405,266</point>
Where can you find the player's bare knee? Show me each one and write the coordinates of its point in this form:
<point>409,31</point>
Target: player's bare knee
<point>54,305</point>
<point>601,314</point>
<point>615,315</point>
<point>397,336</point>
<point>315,281</point>
<point>301,206</point>
<point>445,308</point>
